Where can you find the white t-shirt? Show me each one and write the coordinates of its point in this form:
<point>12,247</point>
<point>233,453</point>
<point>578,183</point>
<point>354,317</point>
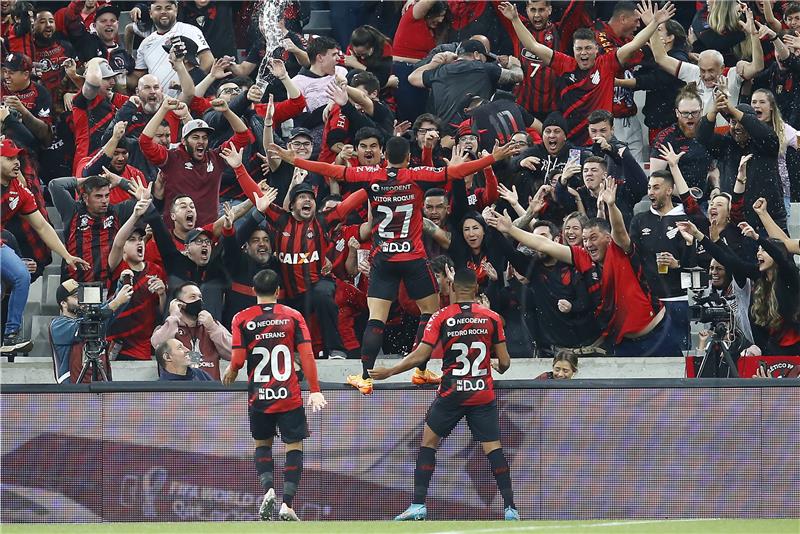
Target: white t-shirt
<point>152,57</point>
<point>313,89</point>
<point>689,72</point>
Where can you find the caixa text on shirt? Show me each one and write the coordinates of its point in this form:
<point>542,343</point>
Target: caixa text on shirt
<point>298,258</point>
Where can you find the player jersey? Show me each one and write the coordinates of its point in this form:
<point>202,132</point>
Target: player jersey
<point>396,199</point>
<point>271,334</point>
<point>16,198</point>
<point>622,281</point>
<point>609,43</point>
<point>467,332</point>
<point>582,91</point>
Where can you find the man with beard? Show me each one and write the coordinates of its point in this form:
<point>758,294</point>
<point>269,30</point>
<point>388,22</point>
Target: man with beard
<point>664,252</point>
<point>537,90</point>
<point>152,57</point>
<point>66,346</point>
<point>634,322</point>
<point>747,135</point>
<point>192,166</point>
<point>586,81</point>
<point>436,209</point>
<point>207,340</point>
<point>300,243</point>
<point>114,157</point>
<point>695,162</point>
<point>130,333</point>
<point>254,240</point>
<point>91,223</point>
<point>50,53</point>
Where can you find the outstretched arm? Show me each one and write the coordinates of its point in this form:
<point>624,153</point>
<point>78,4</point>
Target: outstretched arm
<point>542,244</point>
<point>618,231</point>
<point>652,18</point>
<point>525,37</point>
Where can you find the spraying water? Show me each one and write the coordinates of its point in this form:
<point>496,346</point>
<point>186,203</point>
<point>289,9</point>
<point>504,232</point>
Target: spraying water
<point>270,13</point>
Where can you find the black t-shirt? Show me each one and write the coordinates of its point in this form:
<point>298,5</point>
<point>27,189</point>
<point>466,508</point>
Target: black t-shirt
<point>696,160</point>
<point>449,83</point>
<point>282,177</point>
<point>215,20</point>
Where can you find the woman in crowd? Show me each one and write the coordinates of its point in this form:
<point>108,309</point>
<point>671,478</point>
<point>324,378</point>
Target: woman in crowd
<point>721,30</point>
<point>572,229</point>
<point>419,31</point>
<point>763,101</point>
<point>370,50</point>
<point>565,365</point>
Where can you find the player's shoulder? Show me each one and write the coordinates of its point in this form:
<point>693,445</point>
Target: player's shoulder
<point>282,310</point>
<point>247,314</point>
<point>486,312</point>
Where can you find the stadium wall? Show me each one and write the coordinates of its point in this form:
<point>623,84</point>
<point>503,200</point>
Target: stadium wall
<point>590,449</point>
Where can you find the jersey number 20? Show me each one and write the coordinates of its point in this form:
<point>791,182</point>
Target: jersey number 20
<point>278,352</point>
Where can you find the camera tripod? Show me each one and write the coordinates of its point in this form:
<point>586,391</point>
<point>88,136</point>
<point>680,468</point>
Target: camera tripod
<point>92,359</point>
<point>719,349</point>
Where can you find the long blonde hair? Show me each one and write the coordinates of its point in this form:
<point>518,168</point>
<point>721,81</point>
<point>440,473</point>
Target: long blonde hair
<point>764,307</point>
<point>776,119</point>
<point>723,18</point>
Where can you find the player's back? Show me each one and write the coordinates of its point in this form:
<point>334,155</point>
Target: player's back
<point>271,333</point>
<point>397,207</point>
<point>468,333</point>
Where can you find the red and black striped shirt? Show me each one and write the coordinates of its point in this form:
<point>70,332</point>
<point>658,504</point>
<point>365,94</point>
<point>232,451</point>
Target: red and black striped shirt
<point>270,334</point>
<point>468,333</point>
<point>91,238</point>
<point>582,91</point>
<point>90,120</point>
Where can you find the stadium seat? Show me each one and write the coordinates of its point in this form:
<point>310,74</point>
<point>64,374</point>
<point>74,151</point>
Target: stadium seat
<point>55,218</point>
<point>40,335</point>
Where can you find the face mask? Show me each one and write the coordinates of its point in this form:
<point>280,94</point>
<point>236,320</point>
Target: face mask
<point>193,309</point>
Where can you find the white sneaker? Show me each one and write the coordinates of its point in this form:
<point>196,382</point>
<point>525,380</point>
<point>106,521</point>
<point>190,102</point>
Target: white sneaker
<point>287,514</point>
<point>267,506</point>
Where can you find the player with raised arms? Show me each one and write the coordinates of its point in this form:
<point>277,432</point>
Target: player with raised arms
<point>267,335</point>
<point>397,252</point>
<point>469,334</point>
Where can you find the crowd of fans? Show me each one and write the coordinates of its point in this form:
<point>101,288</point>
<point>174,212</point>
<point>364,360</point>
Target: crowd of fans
<point>145,139</point>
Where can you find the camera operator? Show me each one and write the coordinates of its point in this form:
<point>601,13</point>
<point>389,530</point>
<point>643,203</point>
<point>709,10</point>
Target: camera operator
<point>66,345</point>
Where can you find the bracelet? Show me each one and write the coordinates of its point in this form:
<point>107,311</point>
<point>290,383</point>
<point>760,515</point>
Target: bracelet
<point>741,181</point>
<point>265,124</point>
<point>774,38</point>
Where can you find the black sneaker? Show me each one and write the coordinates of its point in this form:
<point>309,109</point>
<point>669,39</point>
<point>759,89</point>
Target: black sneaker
<point>14,342</point>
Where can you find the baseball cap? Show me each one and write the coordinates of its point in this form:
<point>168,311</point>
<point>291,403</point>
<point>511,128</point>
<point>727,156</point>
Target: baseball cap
<point>17,62</point>
<point>302,187</point>
<point>67,288</point>
<point>194,234</point>
<point>472,45</point>
<point>108,8</point>
<point>195,124</point>
<point>105,70</point>
<point>8,149</point>
<point>297,132</point>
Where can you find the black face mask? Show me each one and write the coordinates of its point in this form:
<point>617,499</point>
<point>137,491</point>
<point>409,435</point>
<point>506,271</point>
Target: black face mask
<point>193,309</point>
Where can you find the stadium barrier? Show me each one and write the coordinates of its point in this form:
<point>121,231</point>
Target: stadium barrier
<point>581,449</point>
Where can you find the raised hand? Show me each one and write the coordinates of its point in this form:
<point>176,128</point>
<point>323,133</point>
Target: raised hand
<point>509,195</point>
<point>270,111</point>
<point>255,93</point>
<point>219,105</point>
<point>502,223</point>
<point>277,68</point>
<point>228,215</point>
<point>337,93</point>
<point>401,127</point>
<point>232,156</point>
<point>669,155</point>
<point>219,68</point>
<point>760,206</point>
<point>666,12</point>
<point>609,194</point>
<point>119,130</point>
<point>113,178</point>
<point>457,156</point>
<point>531,163</point>
<point>141,207</point>
<point>742,170</point>
<point>502,152</point>
<point>688,229</point>
<point>748,230</point>
<point>508,10</point>
<point>646,11</point>
<point>431,138</point>
<point>262,203</point>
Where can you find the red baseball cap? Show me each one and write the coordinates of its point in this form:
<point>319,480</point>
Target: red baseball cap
<point>8,149</point>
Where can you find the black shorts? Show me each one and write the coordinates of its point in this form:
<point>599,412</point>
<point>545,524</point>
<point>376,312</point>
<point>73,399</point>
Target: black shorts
<point>483,419</point>
<point>292,425</point>
<point>385,277</point>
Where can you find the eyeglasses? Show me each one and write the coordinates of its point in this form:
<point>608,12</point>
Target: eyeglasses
<point>231,91</point>
<point>426,130</point>
<point>299,144</point>
<point>201,242</point>
<point>690,114</point>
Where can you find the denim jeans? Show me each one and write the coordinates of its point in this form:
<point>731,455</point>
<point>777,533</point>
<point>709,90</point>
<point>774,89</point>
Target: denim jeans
<point>14,273</point>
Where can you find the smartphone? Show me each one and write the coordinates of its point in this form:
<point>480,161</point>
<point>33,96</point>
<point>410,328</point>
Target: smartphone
<point>127,279</point>
<point>763,366</point>
<point>574,156</point>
